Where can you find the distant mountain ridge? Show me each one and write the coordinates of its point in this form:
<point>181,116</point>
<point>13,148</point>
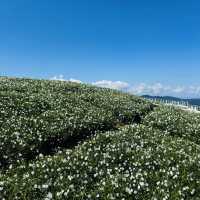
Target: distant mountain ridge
<point>195,101</point>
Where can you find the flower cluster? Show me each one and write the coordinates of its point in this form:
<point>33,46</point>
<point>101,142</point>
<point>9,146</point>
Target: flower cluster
<point>135,151</point>
<point>135,161</point>
<point>38,116</point>
<point>175,122</point>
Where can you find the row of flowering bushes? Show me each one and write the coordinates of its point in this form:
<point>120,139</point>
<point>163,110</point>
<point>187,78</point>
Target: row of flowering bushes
<point>38,116</point>
<point>136,162</point>
<point>175,122</point>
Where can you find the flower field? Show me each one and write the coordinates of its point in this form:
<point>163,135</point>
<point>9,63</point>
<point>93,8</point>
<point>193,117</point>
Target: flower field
<point>175,122</point>
<point>39,116</point>
<point>63,140</point>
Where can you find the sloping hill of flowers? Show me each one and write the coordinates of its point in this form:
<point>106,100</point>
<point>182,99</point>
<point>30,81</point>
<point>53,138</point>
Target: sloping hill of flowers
<point>62,140</point>
<point>175,122</point>
<point>39,116</point>
<point>136,162</point>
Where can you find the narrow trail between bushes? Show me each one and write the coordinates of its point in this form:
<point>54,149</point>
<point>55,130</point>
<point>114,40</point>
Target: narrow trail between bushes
<point>52,146</point>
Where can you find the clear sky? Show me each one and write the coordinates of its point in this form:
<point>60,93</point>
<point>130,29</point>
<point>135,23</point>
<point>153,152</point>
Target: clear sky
<point>143,42</point>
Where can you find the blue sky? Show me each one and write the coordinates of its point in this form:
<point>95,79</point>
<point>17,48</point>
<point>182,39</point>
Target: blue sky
<point>138,42</point>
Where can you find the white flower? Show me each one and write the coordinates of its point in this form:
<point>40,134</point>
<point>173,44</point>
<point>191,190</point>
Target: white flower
<point>49,195</point>
<point>45,186</point>
<point>66,193</point>
<point>129,190</point>
<point>142,184</point>
<point>193,191</point>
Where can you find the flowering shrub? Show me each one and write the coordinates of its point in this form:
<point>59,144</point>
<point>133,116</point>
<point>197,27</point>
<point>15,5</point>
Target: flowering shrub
<point>135,151</point>
<point>175,122</point>
<point>39,116</point>
<point>136,162</point>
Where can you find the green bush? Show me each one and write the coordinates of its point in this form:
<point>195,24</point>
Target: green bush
<point>175,122</point>
<point>63,140</point>
<point>39,116</point>
<point>137,162</point>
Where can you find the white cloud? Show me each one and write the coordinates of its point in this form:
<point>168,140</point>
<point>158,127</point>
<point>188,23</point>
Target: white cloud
<point>178,89</point>
<point>143,88</point>
<point>163,90</point>
<point>119,85</point>
<point>58,78</point>
<point>153,89</point>
<point>75,80</point>
<point>195,90</point>
<point>61,78</point>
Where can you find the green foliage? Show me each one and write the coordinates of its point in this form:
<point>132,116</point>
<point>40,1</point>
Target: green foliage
<point>134,163</point>
<point>175,122</point>
<point>39,116</point>
<point>136,150</point>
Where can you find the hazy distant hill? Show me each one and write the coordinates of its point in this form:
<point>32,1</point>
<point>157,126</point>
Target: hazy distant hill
<point>169,98</point>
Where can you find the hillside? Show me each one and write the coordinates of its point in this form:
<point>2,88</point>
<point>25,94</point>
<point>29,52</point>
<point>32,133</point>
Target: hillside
<point>64,140</point>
